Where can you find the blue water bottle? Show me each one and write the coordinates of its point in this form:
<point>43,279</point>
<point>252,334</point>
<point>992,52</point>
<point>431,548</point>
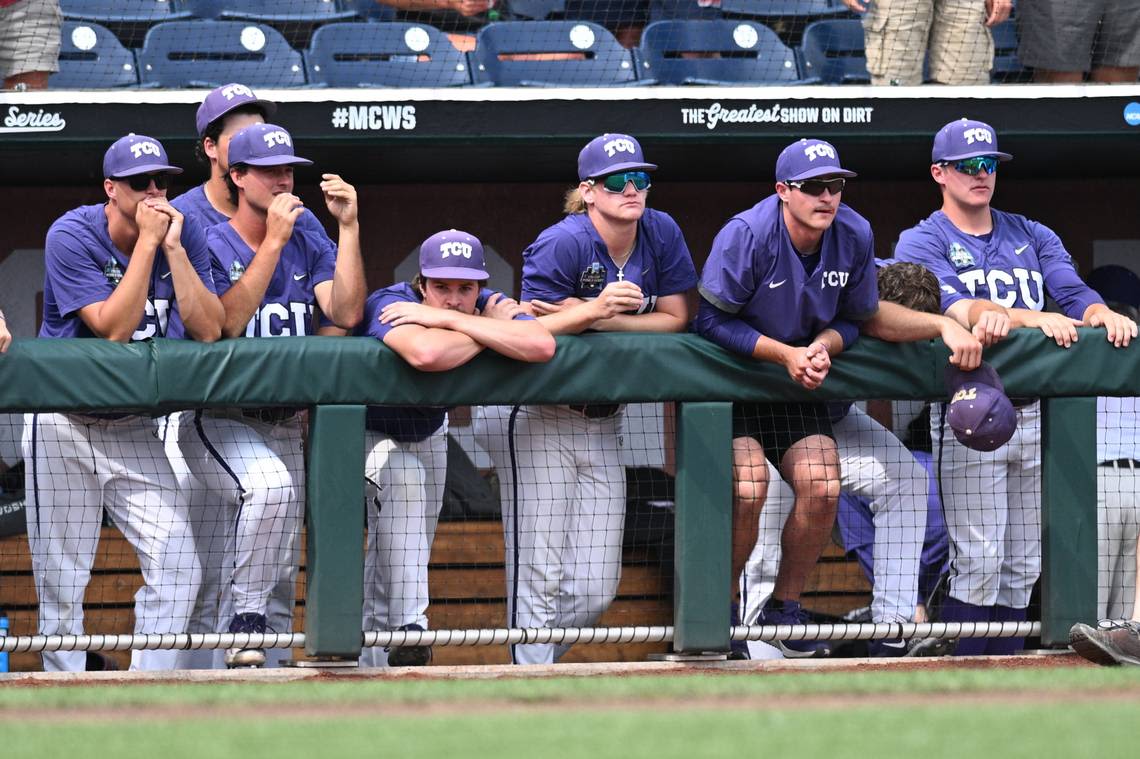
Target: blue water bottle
<point>3,634</point>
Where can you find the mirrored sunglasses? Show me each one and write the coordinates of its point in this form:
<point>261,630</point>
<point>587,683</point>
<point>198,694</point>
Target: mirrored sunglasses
<point>616,182</point>
<point>973,166</point>
<point>815,187</point>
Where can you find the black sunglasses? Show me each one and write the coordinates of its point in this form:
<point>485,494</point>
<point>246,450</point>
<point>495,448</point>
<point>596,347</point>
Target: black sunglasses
<point>141,182</point>
<point>815,187</point>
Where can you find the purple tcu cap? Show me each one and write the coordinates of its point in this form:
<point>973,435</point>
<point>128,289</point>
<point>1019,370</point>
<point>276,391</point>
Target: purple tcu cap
<point>609,154</point>
<point>264,145</point>
<point>136,154</point>
<point>452,254</point>
<point>966,138</point>
<point>979,412</point>
<point>806,159</point>
<point>224,99</point>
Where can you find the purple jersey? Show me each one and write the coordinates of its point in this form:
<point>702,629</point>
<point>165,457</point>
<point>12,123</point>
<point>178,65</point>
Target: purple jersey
<point>569,260</point>
<point>83,267</point>
<point>195,203</point>
<point>402,423</point>
<point>1014,266</point>
<point>308,259</point>
<point>754,282</point>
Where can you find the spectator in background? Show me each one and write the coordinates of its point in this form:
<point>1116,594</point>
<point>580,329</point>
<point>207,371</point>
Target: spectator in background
<point>460,19</point>
<point>1064,41</point>
<point>29,42</point>
<point>624,18</point>
<point>954,34</point>
<point>5,335</point>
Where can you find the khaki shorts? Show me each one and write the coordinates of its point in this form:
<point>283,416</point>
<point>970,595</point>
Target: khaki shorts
<point>29,37</point>
<point>1063,36</point>
<point>899,34</point>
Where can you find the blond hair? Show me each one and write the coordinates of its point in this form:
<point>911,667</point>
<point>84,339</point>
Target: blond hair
<point>572,202</point>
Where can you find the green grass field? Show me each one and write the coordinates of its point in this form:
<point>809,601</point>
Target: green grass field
<point>1053,711</point>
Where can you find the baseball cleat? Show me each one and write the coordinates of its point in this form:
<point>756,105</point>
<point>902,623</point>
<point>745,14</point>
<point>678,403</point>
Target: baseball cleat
<point>410,656</point>
<point>1110,643</point>
<point>246,657</point>
<point>777,612</point>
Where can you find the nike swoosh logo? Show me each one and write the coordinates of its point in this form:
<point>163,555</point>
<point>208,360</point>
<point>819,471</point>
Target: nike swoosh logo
<point>166,275</point>
<point>299,277</point>
<point>1018,251</point>
<point>774,285</point>
<point>897,644</point>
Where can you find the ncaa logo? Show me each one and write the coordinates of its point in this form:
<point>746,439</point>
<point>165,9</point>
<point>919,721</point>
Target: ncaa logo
<point>276,137</point>
<point>977,134</point>
<point>455,249</point>
<point>139,149</point>
<point>620,145</point>
<point>820,150</point>
<point>230,91</point>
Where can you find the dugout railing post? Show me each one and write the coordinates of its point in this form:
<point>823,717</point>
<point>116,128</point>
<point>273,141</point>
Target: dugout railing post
<point>703,527</point>
<point>334,590</point>
<point>1068,516</point>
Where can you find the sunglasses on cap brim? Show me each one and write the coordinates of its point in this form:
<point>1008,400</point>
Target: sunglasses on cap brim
<point>815,187</point>
<point>141,182</point>
<point>973,166</point>
<point>616,183</point>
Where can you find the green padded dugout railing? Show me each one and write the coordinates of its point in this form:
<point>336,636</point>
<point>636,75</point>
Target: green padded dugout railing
<point>167,375</point>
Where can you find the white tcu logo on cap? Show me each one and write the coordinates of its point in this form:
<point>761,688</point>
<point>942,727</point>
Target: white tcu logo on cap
<point>229,92</point>
<point>139,149</point>
<point>819,151</point>
<point>276,137</point>
<point>977,134</point>
<point>455,249</point>
<point>620,145</point>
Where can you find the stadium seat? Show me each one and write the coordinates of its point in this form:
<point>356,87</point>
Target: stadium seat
<point>716,52</point>
<point>550,53</point>
<point>127,19</point>
<point>385,55</point>
<point>1007,66</point>
<point>834,51</point>
<point>209,53</point>
<point>90,57</point>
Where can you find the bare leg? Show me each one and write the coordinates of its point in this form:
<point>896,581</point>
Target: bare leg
<point>1115,74</point>
<point>1045,76</point>
<point>32,80</point>
<point>750,476</point>
<point>811,467</point>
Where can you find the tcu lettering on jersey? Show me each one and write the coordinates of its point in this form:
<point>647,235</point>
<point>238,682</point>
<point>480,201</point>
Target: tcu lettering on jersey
<point>146,147</point>
<point>275,320</point>
<point>977,134</point>
<point>455,249</point>
<point>276,137</point>
<point>157,317</point>
<point>619,145</point>
<point>229,92</point>
<point>1004,287</point>
<point>819,151</point>
<point>834,279</point>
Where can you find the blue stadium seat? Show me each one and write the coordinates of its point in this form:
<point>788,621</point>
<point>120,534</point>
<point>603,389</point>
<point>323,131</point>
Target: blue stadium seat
<point>1007,66</point>
<point>550,53</point>
<point>385,55</point>
<point>90,57</point>
<point>716,52</point>
<point>127,19</point>
<point>209,53</point>
<point>834,51</point>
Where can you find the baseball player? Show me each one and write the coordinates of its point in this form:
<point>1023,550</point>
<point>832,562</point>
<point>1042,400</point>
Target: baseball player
<point>128,269</point>
<point>875,467</point>
<point>610,265</point>
<point>224,112</point>
<point>787,281</point>
<point>995,269</point>
<point>271,274</point>
<point>441,320</point>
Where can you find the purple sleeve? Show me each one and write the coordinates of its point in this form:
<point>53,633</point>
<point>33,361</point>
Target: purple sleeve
<point>728,280</point>
<point>549,267</point>
<point>371,325</point>
<point>194,241</point>
<point>481,303</point>
<point>677,272</point>
<point>920,247</point>
<point>725,330</point>
<point>861,295</point>
<point>76,278</point>
<point>324,252</point>
<point>848,331</point>
<point>1061,279</point>
<point>218,272</point>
